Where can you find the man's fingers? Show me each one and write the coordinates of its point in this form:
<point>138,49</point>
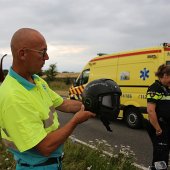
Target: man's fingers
<point>93,114</point>
<point>82,107</point>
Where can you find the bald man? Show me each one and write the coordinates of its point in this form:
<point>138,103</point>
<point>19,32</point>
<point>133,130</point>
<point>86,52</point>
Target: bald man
<point>28,119</point>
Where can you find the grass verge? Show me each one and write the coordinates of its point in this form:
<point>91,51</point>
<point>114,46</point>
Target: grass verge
<point>81,157</point>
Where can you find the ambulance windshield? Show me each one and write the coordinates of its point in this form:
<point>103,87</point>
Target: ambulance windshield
<point>83,78</point>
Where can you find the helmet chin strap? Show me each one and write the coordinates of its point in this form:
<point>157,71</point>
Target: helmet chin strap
<point>106,123</point>
<point>104,119</point>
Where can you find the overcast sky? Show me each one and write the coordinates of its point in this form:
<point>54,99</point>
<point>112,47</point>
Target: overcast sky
<point>76,30</point>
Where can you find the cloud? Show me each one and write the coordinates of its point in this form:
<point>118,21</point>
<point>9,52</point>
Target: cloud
<point>65,56</point>
<point>76,30</point>
<point>65,49</point>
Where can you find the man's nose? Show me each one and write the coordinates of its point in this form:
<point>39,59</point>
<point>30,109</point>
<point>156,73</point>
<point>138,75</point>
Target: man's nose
<point>46,57</point>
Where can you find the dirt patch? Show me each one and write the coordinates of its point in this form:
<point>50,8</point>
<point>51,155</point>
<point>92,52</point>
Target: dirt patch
<point>65,75</point>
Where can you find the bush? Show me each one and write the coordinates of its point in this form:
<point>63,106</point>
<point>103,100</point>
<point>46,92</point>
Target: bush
<point>51,72</point>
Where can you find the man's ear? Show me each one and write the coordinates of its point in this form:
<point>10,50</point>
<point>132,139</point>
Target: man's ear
<point>21,54</point>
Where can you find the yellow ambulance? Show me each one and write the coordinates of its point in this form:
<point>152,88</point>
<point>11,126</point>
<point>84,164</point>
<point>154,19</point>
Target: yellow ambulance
<point>133,71</point>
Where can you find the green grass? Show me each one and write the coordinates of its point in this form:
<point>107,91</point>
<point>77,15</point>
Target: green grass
<point>6,159</point>
<point>59,85</point>
<point>80,157</point>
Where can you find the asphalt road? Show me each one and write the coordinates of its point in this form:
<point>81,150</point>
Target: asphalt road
<point>93,129</point>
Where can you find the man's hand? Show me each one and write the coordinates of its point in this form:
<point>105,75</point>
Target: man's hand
<point>158,132</point>
<point>82,115</point>
<point>59,136</point>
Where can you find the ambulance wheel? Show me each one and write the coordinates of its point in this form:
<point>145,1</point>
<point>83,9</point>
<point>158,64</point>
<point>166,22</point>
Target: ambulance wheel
<point>133,118</point>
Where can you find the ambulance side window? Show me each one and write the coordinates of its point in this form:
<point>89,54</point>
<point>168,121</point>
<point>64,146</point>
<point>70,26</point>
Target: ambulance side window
<point>84,77</point>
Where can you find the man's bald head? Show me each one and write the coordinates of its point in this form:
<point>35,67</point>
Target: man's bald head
<point>23,38</point>
<point>29,50</point>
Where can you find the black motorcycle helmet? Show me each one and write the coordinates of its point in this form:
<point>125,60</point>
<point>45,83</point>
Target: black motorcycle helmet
<point>102,96</point>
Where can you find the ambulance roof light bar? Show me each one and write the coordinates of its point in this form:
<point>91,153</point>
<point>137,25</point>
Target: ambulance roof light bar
<point>166,44</point>
<point>101,54</point>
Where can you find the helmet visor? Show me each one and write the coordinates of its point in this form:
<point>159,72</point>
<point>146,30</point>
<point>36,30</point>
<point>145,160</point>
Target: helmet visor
<point>107,101</point>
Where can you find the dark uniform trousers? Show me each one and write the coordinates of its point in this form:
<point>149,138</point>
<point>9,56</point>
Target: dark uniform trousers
<point>161,143</point>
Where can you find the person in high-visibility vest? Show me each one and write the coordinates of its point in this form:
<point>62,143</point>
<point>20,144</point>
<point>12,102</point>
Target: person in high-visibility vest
<point>28,119</point>
<point>158,107</point>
